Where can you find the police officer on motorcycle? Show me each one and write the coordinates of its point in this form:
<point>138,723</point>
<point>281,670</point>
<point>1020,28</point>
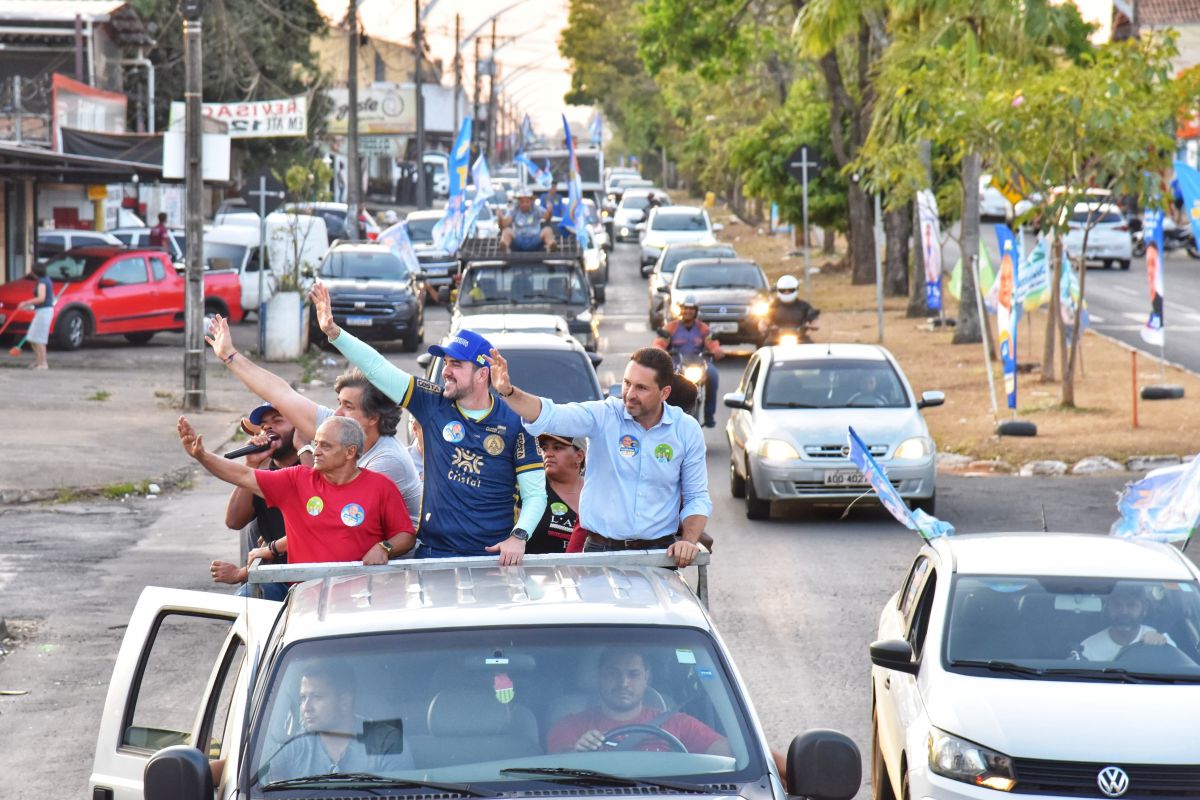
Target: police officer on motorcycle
<point>788,312</point>
<point>688,336</point>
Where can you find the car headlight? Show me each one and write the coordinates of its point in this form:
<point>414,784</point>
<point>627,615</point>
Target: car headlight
<point>916,447</point>
<point>960,760</point>
<point>624,231</point>
<point>777,450</point>
<point>760,308</point>
<point>676,311</point>
<point>694,373</point>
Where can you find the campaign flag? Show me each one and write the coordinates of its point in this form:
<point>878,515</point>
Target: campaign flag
<point>575,220</point>
<point>928,526</point>
<point>1069,300</point>
<point>541,177</point>
<point>482,178</point>
<point>1008,310</point>
<point>1033,279</point>
<point>597,128</point>
<point>460,159</point>
<point>396,237</point>
<point>987,279</point>
<point>1164,506</point>
<point>526,133</point>
<point>1188,180</point>
<point>1154,333</point>
<point>931,248</point>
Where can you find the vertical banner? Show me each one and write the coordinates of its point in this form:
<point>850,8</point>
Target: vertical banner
<point>448,233</point>
<point>396,237</point>
<point>1007,310</point>
<point>1033,279</point>
<point>597,128</point>
<point>482,177</point>
<point>1154,333</point>
<point>931,244</point>
<point>1071,306</point>
<point>928,526</point>
<point>576,216</point>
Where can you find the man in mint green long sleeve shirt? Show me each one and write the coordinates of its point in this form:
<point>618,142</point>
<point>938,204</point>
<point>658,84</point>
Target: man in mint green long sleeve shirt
<point>476,448</point>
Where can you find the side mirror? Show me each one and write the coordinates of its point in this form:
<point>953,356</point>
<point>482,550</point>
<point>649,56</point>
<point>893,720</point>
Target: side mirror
<point>737,400</point>
<point>718,227</point>
<point>931,399</point>
<point>308,272</point>
<point>107,283</point>
<point>425,359</point>
<point>663,289</point>
<point>614,390</point>
<point>894,654</point>
<point>595,358</point>
<point>641,226</point>
<point>180,772</point>
<point>823,765</point>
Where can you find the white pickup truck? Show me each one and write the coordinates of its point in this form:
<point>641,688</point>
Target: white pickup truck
<point>443,679</point>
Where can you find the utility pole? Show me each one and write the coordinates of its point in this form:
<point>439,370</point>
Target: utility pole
<point>353,167</point>
<point>193,298</point>
<point>478,91</point>
<point>458,66</point>
<point>491,126</point>
<point>418,57</point>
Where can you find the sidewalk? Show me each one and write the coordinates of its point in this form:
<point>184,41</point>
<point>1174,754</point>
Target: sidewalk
<point>103,417</point>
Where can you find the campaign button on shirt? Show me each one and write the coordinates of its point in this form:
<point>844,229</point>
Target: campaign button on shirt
<point>353,515</point>
<point>628,445</point>
<point>663,453</point>
<point>453,432</point>
<point>315,506</point>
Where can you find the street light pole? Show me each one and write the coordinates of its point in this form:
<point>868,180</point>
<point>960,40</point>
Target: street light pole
<point>418,57</point>
<point>458,66</point>
<point>491,120</point>
<point>193,299</point>
<point>353,167</point>
<point>478,89</point>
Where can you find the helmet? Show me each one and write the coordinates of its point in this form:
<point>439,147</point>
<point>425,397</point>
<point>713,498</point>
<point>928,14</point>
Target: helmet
<point>390,217</point>
<point>689,301</point>
<point>786,288</point>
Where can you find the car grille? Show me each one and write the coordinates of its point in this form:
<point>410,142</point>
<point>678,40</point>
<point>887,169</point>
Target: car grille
<point>718,313</point>
<point>840,450</point>
<point>1075,779</point>
<point>820,487</point>
<point>362,308</point>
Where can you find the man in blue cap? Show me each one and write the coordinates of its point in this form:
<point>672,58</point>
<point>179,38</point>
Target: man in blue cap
<point>476,448</point>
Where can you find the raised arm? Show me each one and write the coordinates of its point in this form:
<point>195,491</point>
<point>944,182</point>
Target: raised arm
<point>390,379</point>
<point>529,406</point>
<point>295,407</point>
<point>223,468</point>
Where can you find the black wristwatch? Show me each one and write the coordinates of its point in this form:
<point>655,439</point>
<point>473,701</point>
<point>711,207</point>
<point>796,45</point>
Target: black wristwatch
<point>520,533</point>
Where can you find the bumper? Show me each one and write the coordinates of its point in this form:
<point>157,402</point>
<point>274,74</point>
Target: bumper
<point>803,480</point>
<point>440,273</point>
<point>650,254</point>
<point>925,785</point>
<point>586,333</point>
<point>378,326</point>
<point>625,232</point>
<point>747,331</point>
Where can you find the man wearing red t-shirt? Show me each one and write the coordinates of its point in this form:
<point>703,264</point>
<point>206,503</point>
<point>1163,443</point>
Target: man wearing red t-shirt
<point>623,680</point>
<point>334,511</point>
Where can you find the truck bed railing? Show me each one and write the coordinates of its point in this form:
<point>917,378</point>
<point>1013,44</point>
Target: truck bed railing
<point>261,572</point>
<point>489,249</point>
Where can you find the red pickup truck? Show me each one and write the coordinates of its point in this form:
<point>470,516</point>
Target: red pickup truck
<point>112,290</point>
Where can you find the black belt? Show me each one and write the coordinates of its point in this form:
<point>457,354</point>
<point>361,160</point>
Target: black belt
<point>660,543</point>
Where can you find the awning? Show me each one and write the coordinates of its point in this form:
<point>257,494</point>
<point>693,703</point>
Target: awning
<point>137,148</point>
<point>35,162</point>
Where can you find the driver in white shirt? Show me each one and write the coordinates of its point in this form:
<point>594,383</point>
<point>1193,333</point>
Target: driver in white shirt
<point>1126,608</point>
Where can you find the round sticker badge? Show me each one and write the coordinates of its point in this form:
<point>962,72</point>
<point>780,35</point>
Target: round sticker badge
<point>628,445</point>
<point>559,509</point>
<point>493,444</point>
<point>663,453</point>
<point>453,432</point>
<point>315,506</point>
<point>353,515</point>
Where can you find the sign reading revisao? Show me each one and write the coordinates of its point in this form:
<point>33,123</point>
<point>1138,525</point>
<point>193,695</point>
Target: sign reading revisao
<point>256,119</point>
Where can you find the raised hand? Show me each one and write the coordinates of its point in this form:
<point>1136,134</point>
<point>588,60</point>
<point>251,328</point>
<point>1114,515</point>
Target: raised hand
<point>219,338</point>
<point>193,442</point>
<point>320,298</point>
<point>499,370</point>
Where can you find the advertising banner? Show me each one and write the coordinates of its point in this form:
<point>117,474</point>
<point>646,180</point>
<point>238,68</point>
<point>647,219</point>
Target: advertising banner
<point>254,119</point>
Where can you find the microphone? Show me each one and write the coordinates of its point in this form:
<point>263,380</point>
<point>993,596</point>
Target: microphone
<point>252,448</point>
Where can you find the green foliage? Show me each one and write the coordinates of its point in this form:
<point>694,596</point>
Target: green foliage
<point>308,181</point>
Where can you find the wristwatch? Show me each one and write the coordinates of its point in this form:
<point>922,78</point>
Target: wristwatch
<point>307,449</point>
<point>387,546</point>
<point>520,533</point>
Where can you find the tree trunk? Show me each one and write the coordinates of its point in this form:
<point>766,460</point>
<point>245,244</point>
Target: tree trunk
<point>1048,348</point>
<point>897,225</point>
<point>916,286</point>
<point>861,239</point>
<point>828,241</point>
<point>1072,356</point>
<point>969,330</point>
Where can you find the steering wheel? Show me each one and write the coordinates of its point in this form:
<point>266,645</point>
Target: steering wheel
<point>649,730</point>
<point>874,399</point>
<point>1161,656</point>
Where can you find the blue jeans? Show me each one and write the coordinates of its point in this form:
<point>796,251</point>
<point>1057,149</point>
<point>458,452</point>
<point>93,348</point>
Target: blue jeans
<point>270,591</point>
<point>526,242</point>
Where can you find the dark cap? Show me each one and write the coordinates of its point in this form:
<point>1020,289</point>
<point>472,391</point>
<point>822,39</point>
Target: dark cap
<point>259,412</point>
<point>578,442</point>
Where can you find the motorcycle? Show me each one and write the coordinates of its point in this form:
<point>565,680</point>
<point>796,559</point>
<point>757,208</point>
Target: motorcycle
<point>789,333</point>
<point>1174,238</point>
<point>694,369</point>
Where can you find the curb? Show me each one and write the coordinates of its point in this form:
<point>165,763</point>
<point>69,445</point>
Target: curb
<point>956,464</point>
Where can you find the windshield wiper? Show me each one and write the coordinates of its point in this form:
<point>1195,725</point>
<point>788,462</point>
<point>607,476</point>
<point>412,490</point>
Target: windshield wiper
<point>1000,666</point>
<point>373,780</point>
<point>591,777</point>
<point>789,404</point>
<point>1121,674</point>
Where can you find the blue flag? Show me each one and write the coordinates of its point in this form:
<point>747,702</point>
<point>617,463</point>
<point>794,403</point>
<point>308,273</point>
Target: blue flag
<point>597,128</point>
<point>1188,180</point>
<point>482,178</point>
<point>450,230</point>
<point>1164,506</point>
<point>575,220</point>
<point>1008,309</point>
<point>928,526</point>
<point>541,177</point>
<point>396,237</point>
<point>526,133</point>
<point>460,159</point>
<point>1152,225</point>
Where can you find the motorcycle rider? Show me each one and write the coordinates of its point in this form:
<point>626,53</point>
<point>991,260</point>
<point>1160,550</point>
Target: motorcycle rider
<point>688,336</point>
<point>788,311</point>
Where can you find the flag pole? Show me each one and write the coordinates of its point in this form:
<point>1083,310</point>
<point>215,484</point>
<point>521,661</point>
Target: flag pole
<point>987,351</point>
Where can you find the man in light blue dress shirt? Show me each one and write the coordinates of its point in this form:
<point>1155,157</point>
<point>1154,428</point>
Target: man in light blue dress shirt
<point>643,457</point>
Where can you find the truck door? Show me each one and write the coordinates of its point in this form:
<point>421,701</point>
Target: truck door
<point>251,299</point>
<point>176,681</point>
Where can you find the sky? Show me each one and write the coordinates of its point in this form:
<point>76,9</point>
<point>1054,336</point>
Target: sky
<point>527,40</point>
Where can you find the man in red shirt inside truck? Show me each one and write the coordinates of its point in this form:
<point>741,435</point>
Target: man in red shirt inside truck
<point>334,511</point>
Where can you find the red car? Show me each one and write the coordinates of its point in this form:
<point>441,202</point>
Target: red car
<point>103,291</point>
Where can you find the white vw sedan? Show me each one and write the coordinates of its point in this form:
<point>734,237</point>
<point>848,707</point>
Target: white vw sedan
<point>1039,665</point>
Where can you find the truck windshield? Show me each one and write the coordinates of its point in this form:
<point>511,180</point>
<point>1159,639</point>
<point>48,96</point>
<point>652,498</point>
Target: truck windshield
<point>420,231</point>
<point>485,706</point>
<point>361,265</point>
<point>72,268</point>
<point>537,284</point>
<point>218,255</point>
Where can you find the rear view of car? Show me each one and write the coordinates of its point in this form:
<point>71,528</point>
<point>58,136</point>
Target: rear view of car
<point>373,294</point>
<point>1108,238</point>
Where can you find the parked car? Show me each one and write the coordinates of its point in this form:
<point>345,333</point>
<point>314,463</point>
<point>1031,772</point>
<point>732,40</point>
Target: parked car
<point>231,205</point>
<point>544,364</point>
<point>732,293</point>
<point>441,268</point>
<point>1109,241</point>
<point>107,290</point>
<point>439,163</point>
<point>675,225</point>
<point>59,240</point>
<point>372,294</point>
<point>295,243</point>
<point>140,238</point>
<point>335,215</point>
<point>664,268</point>
<point>787,433</point>
<point>999,670</point>
<point>631,212</point>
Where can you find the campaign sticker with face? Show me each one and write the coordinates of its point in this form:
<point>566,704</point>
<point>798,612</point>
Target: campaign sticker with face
<point>493,444</point>
<point>628,445</point>
<point>663,453</point>
<point>453,432</point>
<point>685,656</point>
<point>315,506</point>
<point>353,515</point>
<point>559,509</point>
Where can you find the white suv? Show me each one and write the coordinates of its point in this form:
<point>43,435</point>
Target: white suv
<point>675,225</point>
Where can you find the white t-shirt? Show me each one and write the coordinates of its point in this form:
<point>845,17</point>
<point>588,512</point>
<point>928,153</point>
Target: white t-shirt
<point>388,456</point>
<point>1101,647</point>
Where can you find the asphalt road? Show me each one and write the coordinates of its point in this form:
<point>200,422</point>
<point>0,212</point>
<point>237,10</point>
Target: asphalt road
<point>796,598</point>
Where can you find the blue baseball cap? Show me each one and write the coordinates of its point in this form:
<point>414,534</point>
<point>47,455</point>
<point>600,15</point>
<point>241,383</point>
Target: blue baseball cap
<point>464,345</point>
<point>259,412</point>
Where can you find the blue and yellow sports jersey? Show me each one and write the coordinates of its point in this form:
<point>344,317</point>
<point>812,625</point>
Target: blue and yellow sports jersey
<point>471,469</point>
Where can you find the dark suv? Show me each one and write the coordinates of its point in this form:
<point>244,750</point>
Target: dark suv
<point>373,295</point>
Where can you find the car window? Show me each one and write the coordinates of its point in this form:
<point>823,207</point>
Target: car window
<point>73,268</point>
<point>127,271</point>
<point>720,276</point>
<point>523,285</point>
<point>88,241</point>
<point>1096,218</point>
<point>750,379</point>
<point>679,222</point>
<point>677,255</point>
<point>157,269</point>
<point>218,255</point>
<point>635,202</point>
<point>919,623</point>
<point>833,383</point>
<point>466,705</point>
<point>364,265</point>
<point>179,246</point>
<point>127,238</point>
<point>913,583</point>
<point>50,245</point>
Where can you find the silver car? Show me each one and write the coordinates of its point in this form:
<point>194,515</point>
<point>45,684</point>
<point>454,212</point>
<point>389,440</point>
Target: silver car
<point>787,433</point>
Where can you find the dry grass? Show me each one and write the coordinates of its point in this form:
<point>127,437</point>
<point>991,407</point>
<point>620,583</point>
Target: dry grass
<point>1100,424</point>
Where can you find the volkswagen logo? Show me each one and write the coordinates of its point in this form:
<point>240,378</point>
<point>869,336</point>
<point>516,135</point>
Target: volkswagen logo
<point>1113,781</point>
<point>723,310</point>
<point>845,451</point>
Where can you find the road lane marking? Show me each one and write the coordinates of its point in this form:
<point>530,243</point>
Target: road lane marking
<point>636,327</point>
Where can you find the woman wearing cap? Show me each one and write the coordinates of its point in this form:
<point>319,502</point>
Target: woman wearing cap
<point>564,459</point>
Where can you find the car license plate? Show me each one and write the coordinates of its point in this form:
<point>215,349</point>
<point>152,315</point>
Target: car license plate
<point>436,271</point>
<point>359,322</point>
<point>844,477</point>
<point>723,327</point>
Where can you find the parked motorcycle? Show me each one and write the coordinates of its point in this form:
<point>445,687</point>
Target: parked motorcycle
<point>1174,238</point>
